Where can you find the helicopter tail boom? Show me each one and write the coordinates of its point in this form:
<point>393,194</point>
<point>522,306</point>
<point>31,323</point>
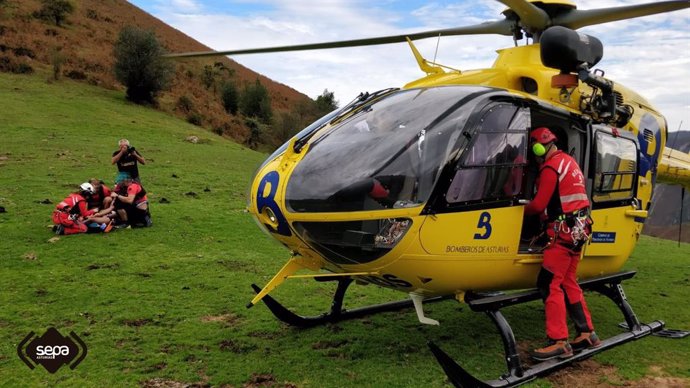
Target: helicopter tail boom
<point>674,167</point>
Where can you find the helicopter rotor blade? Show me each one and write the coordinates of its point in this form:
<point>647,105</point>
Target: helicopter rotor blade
<point>501,27</point>
<point>530,16</point>
<point>575,19</point>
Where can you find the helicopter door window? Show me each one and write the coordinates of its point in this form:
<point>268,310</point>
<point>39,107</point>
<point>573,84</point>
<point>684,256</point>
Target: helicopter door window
<point>615,170</point>
<point>493,166</point>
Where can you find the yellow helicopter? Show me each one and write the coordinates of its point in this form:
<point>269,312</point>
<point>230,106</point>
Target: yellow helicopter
<point>422,189</point>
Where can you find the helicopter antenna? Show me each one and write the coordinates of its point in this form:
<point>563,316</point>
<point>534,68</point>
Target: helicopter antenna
<point>680,223</point>
<point>677,132</point>
<point>682,192</point>
<point>438,42</point>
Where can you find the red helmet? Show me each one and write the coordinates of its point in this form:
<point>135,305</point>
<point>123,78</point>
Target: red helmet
<point>542,135</point>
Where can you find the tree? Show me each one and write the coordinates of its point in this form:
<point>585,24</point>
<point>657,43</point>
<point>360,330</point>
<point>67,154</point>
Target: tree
<point>230,97</point>
<point>55,10</point>
<point>139,64</point>
<point>255,102</point>
<point>208,76</point>
<point>257,129</point>
<point>57,58</point>
<point>221,68</point>
<point>326,102</point>
<point>285,125</point>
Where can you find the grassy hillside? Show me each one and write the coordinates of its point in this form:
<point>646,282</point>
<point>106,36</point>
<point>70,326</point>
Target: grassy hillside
<point>164,306</point>
<point>83,46</point>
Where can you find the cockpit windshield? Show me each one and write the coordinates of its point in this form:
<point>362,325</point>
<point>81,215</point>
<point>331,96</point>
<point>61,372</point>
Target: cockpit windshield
<point>387,155</point>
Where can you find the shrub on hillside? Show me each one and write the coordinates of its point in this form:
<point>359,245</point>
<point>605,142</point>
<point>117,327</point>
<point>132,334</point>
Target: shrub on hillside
<point>92,14</point>
<point>285,125</point>
<point>208,76</point>
<point>57,59</point>
<point>185,104</point>
<point>229,96</point>
<point>76,75</point>
<point>23,68</point>
<point>223,70</point>
<point>24,52</point>
<point>255,102</point>
<point>55,11</point>
<point>257,131</point>
<point>139,64</point>
<point>219,129</point>
<point>11,65</point>
<point>195,118</point>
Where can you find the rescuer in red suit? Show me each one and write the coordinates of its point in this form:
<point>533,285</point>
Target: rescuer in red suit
<point>71,215</point>
<point>562,200</point>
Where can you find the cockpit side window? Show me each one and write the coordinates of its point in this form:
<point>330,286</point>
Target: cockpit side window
<point>615,168</point>
<point>492,167</point>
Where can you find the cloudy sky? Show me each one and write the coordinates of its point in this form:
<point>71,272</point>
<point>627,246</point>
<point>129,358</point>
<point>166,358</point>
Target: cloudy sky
<point>651,55</point>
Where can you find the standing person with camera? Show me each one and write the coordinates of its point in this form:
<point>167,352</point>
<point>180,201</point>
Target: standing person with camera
<point>127,158</point>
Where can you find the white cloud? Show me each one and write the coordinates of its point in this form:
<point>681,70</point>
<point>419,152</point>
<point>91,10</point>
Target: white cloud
<point>648,55</point>
<point>179,6</point>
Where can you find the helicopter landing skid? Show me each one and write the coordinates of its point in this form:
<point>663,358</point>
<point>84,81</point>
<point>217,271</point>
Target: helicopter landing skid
<point>337,312</point>
<point>609,285</point>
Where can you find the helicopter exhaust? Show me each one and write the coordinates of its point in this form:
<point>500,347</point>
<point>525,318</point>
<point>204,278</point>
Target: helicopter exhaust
<point>572,52</point>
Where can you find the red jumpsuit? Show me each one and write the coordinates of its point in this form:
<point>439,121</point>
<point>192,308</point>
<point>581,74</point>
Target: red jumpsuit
<point>67,212</point>
<point>561,192</point>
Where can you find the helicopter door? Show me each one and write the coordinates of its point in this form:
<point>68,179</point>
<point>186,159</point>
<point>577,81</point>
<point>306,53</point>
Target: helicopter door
<point>476,214</point>
<point>572,139</point>
<point>614,186</point>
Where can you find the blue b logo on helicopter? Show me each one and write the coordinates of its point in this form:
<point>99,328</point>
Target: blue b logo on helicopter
<point>484,223</point>
<point>268,201</point>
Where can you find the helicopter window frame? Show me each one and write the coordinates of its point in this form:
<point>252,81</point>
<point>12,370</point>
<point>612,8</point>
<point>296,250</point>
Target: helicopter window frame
<point>497,171</point>
<point>610,182</point>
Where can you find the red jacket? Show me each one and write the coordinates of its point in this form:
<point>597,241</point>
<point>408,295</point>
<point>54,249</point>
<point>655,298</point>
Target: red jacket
<point>96,199</point>
<point>74,204</point>
<point>561,187</point>
<point>135,190</point>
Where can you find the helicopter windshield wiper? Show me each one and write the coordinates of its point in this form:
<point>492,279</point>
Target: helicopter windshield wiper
<point>359,101</point>
<point>343,112</point>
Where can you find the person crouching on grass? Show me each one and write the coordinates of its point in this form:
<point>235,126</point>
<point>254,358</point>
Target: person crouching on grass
<point>131,203</point>
<point>71,215</point>
<point>100,199</point>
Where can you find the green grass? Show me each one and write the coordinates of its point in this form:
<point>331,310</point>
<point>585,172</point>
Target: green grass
<point>168,302</point>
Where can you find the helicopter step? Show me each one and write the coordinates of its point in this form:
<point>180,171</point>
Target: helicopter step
<point>337,312</point>
<point>609,285</point>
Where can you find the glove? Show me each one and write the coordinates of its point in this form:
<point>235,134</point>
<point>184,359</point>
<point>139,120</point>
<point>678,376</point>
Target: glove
<point>378,191</point>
